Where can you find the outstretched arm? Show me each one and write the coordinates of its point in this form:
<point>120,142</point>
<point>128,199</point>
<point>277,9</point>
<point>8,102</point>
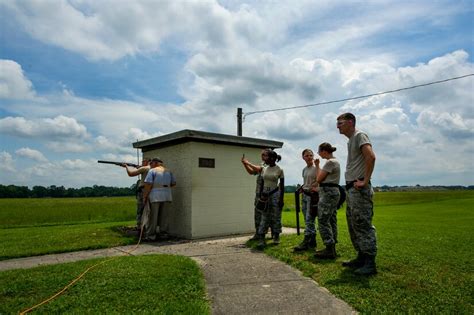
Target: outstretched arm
<point>251,168</point>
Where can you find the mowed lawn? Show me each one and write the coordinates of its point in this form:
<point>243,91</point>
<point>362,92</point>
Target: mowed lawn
<point>425,258</point>
<point>425,255</point>
<point>53,225</point>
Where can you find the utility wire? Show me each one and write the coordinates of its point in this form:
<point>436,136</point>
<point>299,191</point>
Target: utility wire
<point>358,97</point>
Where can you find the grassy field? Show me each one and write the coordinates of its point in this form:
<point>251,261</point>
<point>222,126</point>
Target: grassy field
<point>44,226</point>
<point>151,284</point>
<point>425,257</point>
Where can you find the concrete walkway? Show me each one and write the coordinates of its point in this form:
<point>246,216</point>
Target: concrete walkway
<point>239,280</point>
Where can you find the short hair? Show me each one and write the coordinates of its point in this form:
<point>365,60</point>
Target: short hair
<point>326,146</point>
<point>156,159</point>
<point>307,150</point>
<point>347,116</point>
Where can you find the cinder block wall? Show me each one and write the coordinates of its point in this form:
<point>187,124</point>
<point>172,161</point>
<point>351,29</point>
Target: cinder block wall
<point>209,201</point>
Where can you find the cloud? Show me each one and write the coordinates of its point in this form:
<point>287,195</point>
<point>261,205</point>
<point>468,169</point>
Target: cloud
<point>31,154</point>
<point>13,83</point>
<point>59,127</point>
<point>6,162</point>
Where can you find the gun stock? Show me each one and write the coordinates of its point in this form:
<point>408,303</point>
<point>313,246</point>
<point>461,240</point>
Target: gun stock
<point>118,163</point>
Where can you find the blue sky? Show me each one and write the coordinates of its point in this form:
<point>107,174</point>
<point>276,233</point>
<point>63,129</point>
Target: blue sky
<point>81,80</point>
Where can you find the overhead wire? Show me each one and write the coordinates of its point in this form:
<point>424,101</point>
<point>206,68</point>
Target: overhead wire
<point>358,97</point>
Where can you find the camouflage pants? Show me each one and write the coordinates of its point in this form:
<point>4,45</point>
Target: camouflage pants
<point>257,214</point>
<point>309,220</point>
<point>140,205</point>
<point>271,216</point>
<point>327,214</point>
<point>359,213</point>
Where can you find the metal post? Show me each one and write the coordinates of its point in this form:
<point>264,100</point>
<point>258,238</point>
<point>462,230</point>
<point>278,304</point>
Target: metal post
<point>297,207</point>
<point>239,122</point>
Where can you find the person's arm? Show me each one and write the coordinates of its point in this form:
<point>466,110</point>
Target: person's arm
<point>369,158</point>
<point>322,174</point>
<point>251,168</point>
<point>318,170</point>
<point>282,193</point>
<point>134,172</point>
<point>146,191</point>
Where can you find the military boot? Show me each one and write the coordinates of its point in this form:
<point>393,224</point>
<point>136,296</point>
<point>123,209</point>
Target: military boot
<point>261,242</point>
<point>312,241</point>
<point>355,263</point>
<point>276,238</point>
<point>328,253</point>
<point>369,268</point>
<point>304,245</point>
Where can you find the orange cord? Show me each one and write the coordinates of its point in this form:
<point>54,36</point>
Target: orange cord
<point>78,278</point>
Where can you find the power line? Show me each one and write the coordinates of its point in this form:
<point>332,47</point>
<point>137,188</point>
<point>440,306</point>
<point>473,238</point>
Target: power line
<point>358,97</point>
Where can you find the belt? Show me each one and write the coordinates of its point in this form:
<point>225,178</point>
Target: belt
<point>328,185</point>
<point>160,186</point>
<point>271,192</point>
<point>349,185</point>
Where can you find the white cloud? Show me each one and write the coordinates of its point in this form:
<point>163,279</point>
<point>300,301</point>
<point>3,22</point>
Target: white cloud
<point>13,83</point>
<point>31,154</point>
<point>57,127</point>
<point>6,164</point>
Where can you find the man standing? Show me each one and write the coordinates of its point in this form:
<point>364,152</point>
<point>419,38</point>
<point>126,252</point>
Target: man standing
<point>142,171</point>
<point>359,213</point>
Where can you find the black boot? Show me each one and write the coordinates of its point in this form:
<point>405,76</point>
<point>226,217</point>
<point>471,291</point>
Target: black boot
<point>328,253</point>
<point>261,242</point>
<point>369,267</point>
<point>312,241</point>
<point>355,263</point>
<point>304,245</point>
<point>276,238</point>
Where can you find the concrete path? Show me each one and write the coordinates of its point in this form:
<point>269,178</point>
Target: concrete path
<point>239,280</point>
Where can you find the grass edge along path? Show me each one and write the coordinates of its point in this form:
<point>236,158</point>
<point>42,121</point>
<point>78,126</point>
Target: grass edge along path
<point>164,284</point>
<point>43,240</point>
<point>425,259</point>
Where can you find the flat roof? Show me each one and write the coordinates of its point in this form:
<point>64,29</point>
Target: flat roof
<point>203,136</point>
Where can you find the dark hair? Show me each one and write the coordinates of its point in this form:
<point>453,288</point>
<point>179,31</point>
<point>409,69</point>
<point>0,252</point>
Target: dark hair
<point>273,155</point>
<point>347,116</point>
<point>326,146</point>
<point>306,150</point>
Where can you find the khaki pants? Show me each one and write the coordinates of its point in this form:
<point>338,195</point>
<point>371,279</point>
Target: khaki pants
<point>153,219</point>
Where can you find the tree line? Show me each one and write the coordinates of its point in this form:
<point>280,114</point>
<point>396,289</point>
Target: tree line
<point>12,191</point>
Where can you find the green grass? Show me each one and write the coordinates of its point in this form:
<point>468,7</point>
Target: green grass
<point>425,258</point>
<point>151,284</point>
<point>54,211</point>
<point>32,241</point>
<point>39,226</point>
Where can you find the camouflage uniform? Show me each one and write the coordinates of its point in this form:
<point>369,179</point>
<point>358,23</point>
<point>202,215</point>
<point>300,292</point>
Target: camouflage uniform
<point>359,214</point>
<point>327,211</point>
<point>271,216</point>
<point>257,213</point>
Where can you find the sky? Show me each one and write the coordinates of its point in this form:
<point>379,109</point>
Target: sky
<point>81,80</point>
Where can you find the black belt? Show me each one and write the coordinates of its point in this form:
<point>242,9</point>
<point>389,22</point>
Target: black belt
<point>328,185</point>
<point>271,192</point>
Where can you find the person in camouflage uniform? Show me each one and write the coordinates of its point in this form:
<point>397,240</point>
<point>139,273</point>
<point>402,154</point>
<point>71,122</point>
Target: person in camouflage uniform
<point>328,180</point>
<point>359,212</point>
<point>255,170</point>
<point>142,171</point>
<point>271,198</point>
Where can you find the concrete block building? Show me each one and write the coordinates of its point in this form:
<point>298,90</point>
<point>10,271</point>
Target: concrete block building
<point>214,194</point>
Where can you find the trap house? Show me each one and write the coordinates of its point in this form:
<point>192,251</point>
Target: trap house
<point>214,194</point>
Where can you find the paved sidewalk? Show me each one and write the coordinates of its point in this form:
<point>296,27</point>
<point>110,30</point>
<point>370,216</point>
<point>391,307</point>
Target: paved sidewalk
<point>239,280</point>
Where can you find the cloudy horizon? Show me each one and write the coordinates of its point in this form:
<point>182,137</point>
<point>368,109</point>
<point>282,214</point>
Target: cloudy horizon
<point>81,80</point>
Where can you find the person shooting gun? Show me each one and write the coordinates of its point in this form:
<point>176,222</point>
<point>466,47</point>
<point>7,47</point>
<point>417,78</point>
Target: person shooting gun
<point>135,170</point>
